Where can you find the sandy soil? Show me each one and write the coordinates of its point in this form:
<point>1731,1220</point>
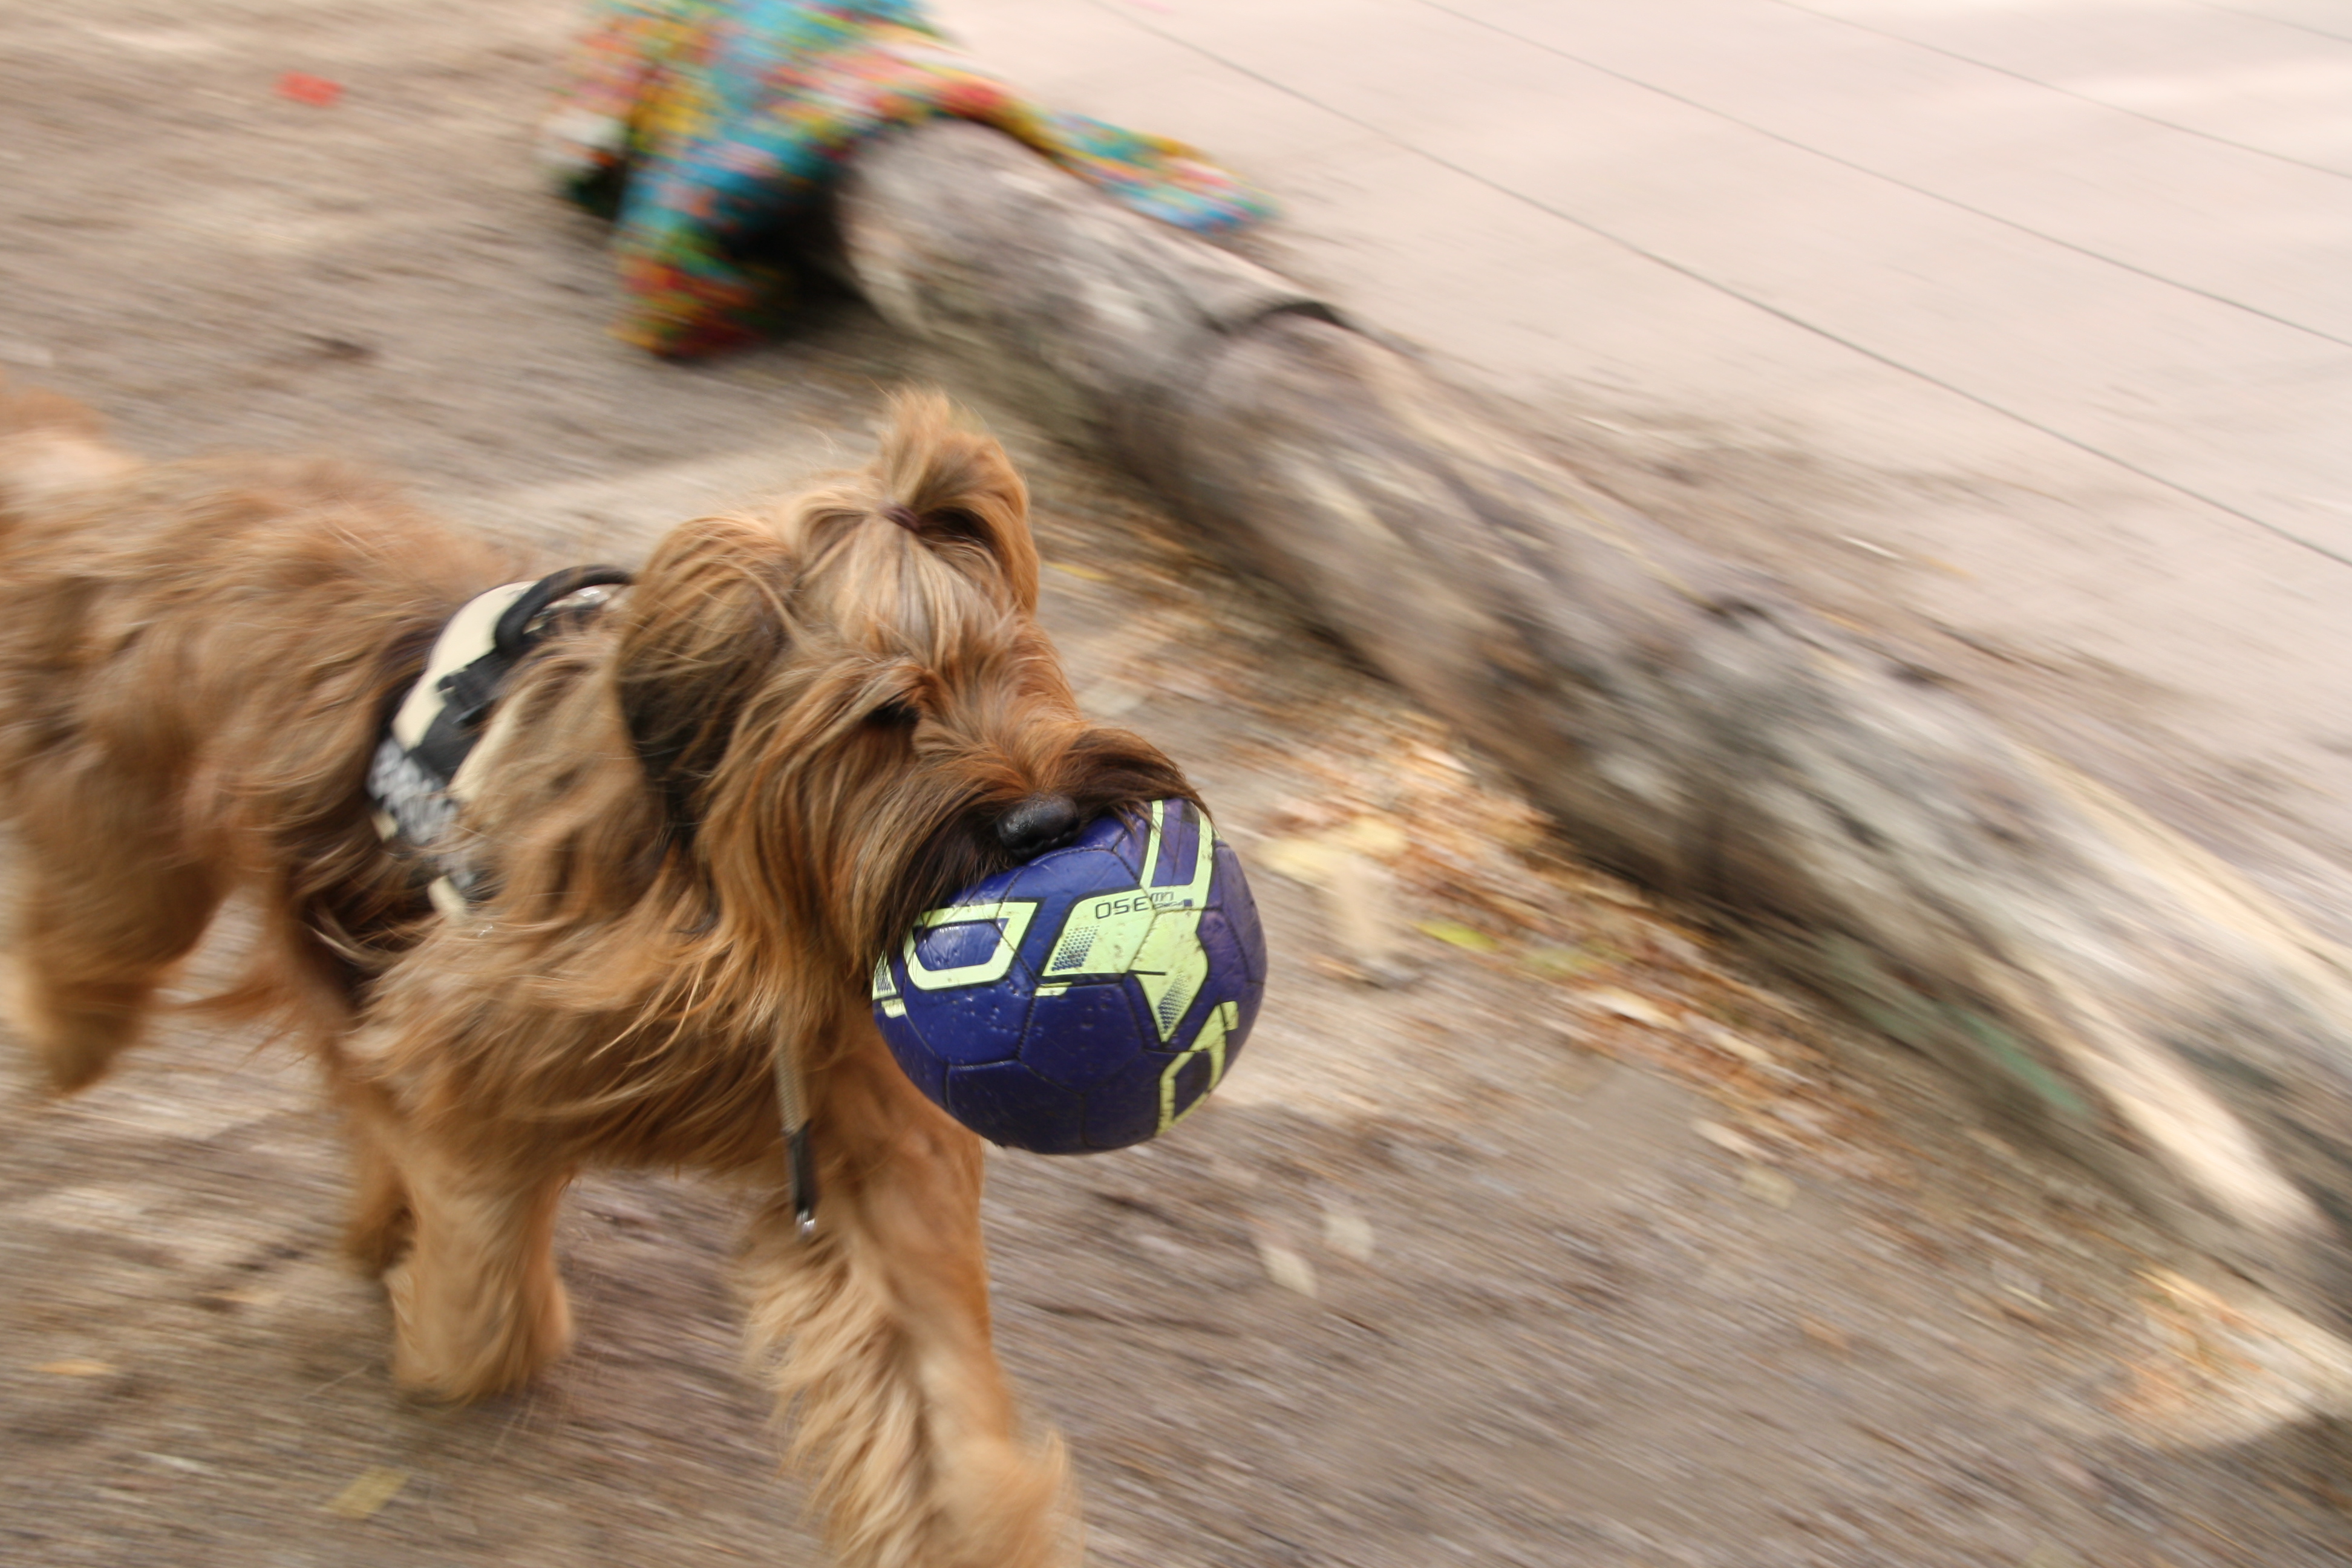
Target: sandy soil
<point>1574,1248</point>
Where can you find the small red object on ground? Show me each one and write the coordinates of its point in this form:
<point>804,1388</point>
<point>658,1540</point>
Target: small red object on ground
<point>311,89</point>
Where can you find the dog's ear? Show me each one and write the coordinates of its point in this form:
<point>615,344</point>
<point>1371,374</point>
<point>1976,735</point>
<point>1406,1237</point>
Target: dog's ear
<point>705,621</point>
<point>954,487</point>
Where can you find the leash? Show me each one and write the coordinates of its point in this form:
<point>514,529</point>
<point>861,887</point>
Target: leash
<point>793,1101</point>
<point>441,740</point>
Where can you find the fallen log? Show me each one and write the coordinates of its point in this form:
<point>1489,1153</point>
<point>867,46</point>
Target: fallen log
<point>1860,825</point>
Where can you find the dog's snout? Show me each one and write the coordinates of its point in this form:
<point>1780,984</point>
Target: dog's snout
<point>1037,824</point>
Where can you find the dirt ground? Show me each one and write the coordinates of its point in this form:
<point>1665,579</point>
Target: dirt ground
<point>1570,1244</point>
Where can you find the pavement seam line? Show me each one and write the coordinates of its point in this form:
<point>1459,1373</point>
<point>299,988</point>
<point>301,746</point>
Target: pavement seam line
<point>2276,21</point>
<point>2085,97</point>
<point>1899,183</point>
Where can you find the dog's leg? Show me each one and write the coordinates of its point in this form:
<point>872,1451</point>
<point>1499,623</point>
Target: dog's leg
<point>102,913</point>
<point>477,1303</point>
<point>382,1222</point>
<point>878,1329</point>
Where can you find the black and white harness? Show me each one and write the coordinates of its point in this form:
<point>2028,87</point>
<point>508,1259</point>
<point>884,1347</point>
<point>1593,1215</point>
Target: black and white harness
<point>431,755</point>
<point>444,738</point>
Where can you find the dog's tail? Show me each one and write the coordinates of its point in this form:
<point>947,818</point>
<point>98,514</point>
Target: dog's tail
<point>50,449</point>
<point>943,482</point>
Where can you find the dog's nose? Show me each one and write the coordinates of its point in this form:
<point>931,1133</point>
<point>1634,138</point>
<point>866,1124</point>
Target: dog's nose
<point>1037,824</point>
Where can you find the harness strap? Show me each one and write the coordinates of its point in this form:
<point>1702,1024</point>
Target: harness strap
<point>514,635</point>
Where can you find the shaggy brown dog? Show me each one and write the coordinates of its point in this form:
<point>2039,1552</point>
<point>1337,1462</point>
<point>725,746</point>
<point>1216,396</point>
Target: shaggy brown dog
<point>714,803</point>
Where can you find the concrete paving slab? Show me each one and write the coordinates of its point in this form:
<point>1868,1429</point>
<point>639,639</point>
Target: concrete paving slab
<point>2245,227</point>
<point>2223,72</point>
<point>2323,16</point>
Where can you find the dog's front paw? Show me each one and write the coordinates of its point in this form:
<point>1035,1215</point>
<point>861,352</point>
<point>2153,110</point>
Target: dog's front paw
<point>1013,1507</point>
<point>467,1339</point>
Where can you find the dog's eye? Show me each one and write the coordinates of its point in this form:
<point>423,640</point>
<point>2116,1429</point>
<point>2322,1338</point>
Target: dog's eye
<point>899,715</point>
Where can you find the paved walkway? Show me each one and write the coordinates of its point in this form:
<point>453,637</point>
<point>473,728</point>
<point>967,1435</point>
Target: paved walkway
<point>2021,330</point>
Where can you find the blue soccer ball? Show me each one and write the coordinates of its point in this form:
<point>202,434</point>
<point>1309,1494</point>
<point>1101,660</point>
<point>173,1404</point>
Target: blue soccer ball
<point>1087,999</point>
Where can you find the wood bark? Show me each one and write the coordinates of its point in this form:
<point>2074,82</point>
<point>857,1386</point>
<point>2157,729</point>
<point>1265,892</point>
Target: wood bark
<point>1861,827</point>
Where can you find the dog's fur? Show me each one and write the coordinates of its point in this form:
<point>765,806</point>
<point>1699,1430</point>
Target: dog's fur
<point>714,803</point>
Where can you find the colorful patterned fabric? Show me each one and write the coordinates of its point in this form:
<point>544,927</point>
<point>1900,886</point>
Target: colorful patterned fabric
<point>721,119</point>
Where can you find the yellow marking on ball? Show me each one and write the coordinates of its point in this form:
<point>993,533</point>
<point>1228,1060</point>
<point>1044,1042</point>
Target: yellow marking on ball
<point>1010,915</point>
<point>1152,934</point>
<point>1222,1021</point>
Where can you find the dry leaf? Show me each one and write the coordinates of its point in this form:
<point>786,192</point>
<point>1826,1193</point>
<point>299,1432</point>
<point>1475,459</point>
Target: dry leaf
<point>1994,1145</point>
<point>2188,1293</point>
<point>1232,1172</point>
<point>1625,1005</point>
<point>1768,1186</point>
<point>1363,922</point>
<point>1374,836</point>
<point>371,1491</point>
<point>1562,963</point>
<point>1739,1045</point>
<point>1347,1233</point>
<point>1469,938</point>
<point>1305,858</point>
<point>1287,1269</point>
<point>1723,1137</point>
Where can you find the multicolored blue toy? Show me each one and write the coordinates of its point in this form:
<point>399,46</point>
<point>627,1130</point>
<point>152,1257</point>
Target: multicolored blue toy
<point>715,123</point>
<point>1089,998</point>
